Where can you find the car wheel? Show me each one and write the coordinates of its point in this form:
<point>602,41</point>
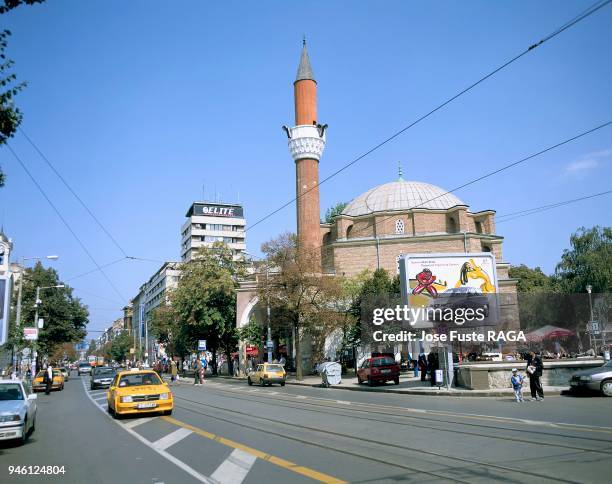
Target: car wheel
<point>167,412</point>
<point>396,381</point>
<point>33,426</point>
<point>606,388</point>
<point>249,381</point>
<point>370,382</point>
<point>92,386</point>
<point>359,380</point>
<point>261,382</point>
<point>282,384</point>
<point>24,435</point>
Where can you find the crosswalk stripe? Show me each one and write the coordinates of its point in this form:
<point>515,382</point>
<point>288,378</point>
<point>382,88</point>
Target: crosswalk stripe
<point>139,421</point>
<point>172,438</point>
<point>235,468</point>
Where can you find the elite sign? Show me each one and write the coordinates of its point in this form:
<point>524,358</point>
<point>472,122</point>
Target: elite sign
<point>215,210</point>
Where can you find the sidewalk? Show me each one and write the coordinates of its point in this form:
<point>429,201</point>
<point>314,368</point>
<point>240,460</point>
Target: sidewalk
<point>409,385</point>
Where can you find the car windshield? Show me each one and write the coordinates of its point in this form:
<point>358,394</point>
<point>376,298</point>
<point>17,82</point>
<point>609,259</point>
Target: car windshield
<point>275,368</point>
<point>104,371</point>
<point>608,364</point>
<point>138,379</point>
<point>84,365</point>
<point>10,391</point>
<point>383,361</point>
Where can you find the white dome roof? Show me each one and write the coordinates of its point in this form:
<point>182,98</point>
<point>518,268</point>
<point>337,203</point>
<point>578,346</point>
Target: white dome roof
<point>401,195</point>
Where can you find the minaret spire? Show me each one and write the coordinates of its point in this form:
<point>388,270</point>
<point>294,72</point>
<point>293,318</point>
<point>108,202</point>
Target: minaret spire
<point>304,69</point>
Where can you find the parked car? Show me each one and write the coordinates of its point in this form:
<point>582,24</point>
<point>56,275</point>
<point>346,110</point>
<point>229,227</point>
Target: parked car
<point>39,384</point>
<point>17,411</point>
<point>598,379</point>
<point>267,373</point>
<point>379,369</point>
<point>84,369</point>
<point>102,377</point>
<point>65,373</point>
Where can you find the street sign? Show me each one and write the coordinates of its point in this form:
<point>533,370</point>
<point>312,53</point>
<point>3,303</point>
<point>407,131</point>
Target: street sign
<point>41,323</point>
<point>202,345</point>
<point>30,334</point>
<point>593,327</point>
<point>131,351</point>
<point>270,345</point>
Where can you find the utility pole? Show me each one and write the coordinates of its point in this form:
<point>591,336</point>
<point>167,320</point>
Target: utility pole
<point>36,304</point>
<point>269,335</point>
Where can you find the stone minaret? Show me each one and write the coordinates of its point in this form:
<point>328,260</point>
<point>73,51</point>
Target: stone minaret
<point>306,143</point>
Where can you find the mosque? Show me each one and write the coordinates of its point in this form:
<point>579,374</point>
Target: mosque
<point>377,227</point>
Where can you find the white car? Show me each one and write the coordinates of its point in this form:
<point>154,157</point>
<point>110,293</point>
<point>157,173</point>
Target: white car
<point>17,411</point>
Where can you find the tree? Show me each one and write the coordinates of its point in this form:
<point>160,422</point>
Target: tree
<point>65,317</point>
<point>204,302</point>
<point>92,346</point>
<point>587,262</point>
<point>120,346</point>
<point>10,116</point>
<point>333,212</point>
<point>531,280</point>
<point>298,293</point>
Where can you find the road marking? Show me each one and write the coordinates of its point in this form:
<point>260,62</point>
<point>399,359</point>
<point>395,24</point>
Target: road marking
<point>136,422</point>
<point>179,463</point>
<point>99,397</point>
<point>171,439</point>
<point>235,468</point>
<point>344,402</point>
<point>285,464</point>
<point>301,397</point>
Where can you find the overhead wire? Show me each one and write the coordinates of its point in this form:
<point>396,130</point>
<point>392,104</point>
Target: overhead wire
<point>584,14</point>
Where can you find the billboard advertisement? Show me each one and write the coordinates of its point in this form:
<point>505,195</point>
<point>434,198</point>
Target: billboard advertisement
<point>450,289</point>
<point>216,210</point>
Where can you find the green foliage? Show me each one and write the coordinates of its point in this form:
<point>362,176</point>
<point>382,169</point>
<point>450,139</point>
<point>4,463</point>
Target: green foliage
<point>252,333</point>
<point>92,346</point>
<point>587,262</point>
<point>64,315</point>
<point>11,4</point>
<point>333,212</point>
<point>120,346</point>
<point>531,280</point>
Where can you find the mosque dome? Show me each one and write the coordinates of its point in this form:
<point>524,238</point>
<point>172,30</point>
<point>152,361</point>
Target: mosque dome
<point>401,195</point>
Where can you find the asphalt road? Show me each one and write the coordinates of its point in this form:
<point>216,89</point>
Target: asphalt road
<point>225,431</point>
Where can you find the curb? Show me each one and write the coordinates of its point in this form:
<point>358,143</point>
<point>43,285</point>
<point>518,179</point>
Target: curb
<point>441,393</point>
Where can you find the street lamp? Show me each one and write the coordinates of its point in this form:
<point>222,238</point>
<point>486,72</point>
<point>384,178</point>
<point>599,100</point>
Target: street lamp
<point>18,311</point>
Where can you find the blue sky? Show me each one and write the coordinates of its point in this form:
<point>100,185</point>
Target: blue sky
<point>140,104</point>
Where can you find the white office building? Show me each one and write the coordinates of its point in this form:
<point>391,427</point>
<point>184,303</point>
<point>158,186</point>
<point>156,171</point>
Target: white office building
<point>208,223</point>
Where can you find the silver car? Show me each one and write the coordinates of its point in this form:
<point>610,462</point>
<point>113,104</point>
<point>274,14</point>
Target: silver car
<point>17,411</point>
<point>598,379</point>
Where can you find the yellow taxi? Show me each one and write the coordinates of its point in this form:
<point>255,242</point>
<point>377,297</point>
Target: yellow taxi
<point>138,391</point>
<point>38,384</point>
<point>268,373</point>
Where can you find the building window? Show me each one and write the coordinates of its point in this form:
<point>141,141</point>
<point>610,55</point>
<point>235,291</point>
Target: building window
<point>486,248</point>
<point>479,227</point>
<point>451,225</point>
<point>399,226</point>
<point>348,232</point>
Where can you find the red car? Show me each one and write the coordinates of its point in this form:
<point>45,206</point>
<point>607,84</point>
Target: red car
<point>379,369</point>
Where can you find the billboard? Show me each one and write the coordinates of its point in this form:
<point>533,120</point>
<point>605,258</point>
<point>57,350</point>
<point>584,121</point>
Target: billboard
<point>4,308</point>
<point>451,289</point>
<point>216,210</point>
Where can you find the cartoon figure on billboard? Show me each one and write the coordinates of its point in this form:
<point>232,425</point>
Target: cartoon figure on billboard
<point>426,281</point>
<point>470,270</point>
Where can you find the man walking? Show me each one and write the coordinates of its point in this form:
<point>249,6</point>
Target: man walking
<point>535,368</point>
<point>48,379</point>
<point>196,373</point>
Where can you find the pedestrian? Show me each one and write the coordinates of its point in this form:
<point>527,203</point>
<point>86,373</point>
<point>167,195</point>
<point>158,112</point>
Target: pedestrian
<point>432,363</point>
<point>535,369</point>
<point>422,364</point>
<point>48,379</point>
<point>517,384</point>
<point>282,360</point>
<point>203,366</point>
<point>173,372</point>
<point>197,378</point>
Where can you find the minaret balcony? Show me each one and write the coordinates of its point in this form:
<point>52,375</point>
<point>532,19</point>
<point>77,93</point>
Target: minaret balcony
<point>306,141</point>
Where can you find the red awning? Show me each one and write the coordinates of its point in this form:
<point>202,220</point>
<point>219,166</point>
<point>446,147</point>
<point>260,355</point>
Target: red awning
<point>548,332</point>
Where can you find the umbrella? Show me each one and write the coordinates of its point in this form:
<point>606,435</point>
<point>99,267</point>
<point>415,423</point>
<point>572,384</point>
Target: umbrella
<point>548,332</point>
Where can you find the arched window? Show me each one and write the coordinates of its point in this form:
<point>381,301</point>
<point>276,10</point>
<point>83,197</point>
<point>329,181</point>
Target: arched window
<point>451,226</point>
<point>327,239</point>
<point>348,232</point>
<point>399,226</point>
<point>479,227</point>
<point>486,248</point>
